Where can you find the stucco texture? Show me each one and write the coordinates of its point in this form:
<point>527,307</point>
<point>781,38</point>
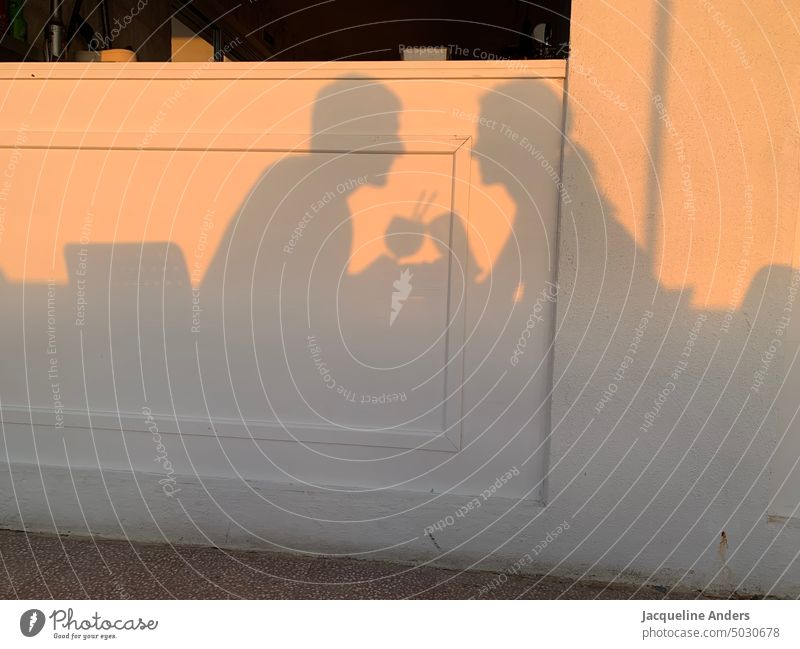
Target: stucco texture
<point>677,289</point>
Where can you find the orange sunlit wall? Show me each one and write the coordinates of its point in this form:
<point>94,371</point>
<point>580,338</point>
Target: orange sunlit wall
<point>127,188</point>
<point>685,111</point>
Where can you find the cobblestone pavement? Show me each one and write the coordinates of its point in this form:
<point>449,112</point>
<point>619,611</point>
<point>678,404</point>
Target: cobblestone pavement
<point>36,566</point>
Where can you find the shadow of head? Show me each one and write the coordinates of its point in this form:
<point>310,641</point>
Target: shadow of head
<point>517,123</point>
<point>359,106</point>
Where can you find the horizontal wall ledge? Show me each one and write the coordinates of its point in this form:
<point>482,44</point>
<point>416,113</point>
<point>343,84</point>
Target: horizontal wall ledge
<point>498,69</point>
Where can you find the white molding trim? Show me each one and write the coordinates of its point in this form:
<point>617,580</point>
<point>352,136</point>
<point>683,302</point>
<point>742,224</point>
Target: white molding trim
<point>244,142</point>
<point>448,438</point>
<point>223,427</point>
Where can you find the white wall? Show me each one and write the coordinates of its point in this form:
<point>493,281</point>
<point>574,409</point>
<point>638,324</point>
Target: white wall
<point>677,221</point>
<point>185,187</point>
<point>223,266</point>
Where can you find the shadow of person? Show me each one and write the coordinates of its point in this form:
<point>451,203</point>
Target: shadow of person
<point>640,361</point>
<point>518,146</point>
<point>276,275</point>
<point>511,229</point>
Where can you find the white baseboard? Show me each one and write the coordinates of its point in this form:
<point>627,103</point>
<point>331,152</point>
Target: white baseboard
<point>387,525</point>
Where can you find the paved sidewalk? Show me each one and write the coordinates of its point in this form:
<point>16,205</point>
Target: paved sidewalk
<point>41,567</point>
